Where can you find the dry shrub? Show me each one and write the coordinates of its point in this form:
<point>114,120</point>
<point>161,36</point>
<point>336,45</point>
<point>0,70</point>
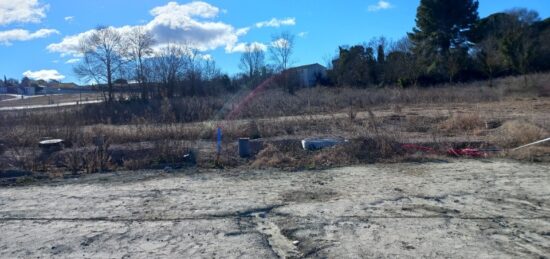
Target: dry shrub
<point>461,123</point>
<point>544,90</point>
<point>170,153</point>
<point>74,162</point>
<point>335,156</point>
<point>415,123</point>
<point>271,156</point>
<point>362,150</point>
<point>375,148</point>
<point>96,161</point>
<point>531,154</point>
<point>516,133</point>
<point>251,130</point>
<point>136,164</point>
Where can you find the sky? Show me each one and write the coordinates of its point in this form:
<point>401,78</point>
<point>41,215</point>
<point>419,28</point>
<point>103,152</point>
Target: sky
<point>38,37</point>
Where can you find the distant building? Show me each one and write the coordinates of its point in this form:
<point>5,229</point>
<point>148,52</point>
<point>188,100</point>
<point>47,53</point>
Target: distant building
<point>3,90</point>
<point>309,75</point>
<point>29,90</point>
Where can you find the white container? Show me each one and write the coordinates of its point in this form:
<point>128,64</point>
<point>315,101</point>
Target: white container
<point>320,143</point>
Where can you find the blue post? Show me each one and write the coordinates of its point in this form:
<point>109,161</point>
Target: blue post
<point>219,146</point>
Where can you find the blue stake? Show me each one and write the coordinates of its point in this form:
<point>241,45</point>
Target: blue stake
<point>219,146</point>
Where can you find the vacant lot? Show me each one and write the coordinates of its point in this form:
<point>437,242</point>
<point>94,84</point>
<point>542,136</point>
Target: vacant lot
<point>158,133</point>
<point>9,101</point>
<point>5,97</point>
<point>469,209</point>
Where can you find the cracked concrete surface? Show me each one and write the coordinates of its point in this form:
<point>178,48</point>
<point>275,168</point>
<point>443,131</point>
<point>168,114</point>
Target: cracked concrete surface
<point>495,209</point>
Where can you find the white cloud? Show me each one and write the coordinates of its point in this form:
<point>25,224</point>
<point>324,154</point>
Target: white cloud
<point>280,43</point>
<point>191,24</point>
<point>303,34</point>
<point>193,9</point>
<point>186,24</point>
<point>24,11</point>
<point>72,61</point>
<point>207,57</point>
<point>46,74</point>
<point>242,31</point>
<point>241,47</point>
<point>7,37</point>
<point>274,22</point>
<point>381,5</point>
<point>69,45</point>
<point>69,19</point>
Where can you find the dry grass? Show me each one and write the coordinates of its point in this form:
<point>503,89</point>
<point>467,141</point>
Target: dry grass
<point>356,151</point>
<point>462,123</point>
<point>271,156</point>
<point>531,154</point>
<point>516,133</point>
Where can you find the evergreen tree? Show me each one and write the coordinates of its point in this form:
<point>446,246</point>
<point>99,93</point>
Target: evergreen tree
<point>443,24</point>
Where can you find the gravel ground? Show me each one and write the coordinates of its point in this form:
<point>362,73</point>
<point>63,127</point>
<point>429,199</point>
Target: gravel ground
<point>468,209</point>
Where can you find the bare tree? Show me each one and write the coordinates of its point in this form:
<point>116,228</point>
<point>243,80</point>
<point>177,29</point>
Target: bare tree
<point>103,57</point>
<point>140,46</point>
<point>518,45</point>
<point>168,65</point>
<point>193,71</point>
<point>281,50</point>
<point>401,65</point>
<point>211,71</point>
<point>252,60</point>
<point>490,57</point>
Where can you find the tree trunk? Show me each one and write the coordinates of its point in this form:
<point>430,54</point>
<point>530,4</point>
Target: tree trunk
<point>110,83</point>
<point>144,93</point>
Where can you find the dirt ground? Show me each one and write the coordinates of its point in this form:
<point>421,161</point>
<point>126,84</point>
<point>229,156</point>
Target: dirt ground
<point>462,209</point>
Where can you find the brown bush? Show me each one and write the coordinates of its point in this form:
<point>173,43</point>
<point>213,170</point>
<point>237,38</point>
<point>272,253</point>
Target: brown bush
<point>361,150</point>
<point>335,156</point>
<point>74,162</point>
<point>544,90</point>
<point>462,123</point>
<point>531,154</point>
<point>272,157</point>
<point>516,133</point>
<point>375,148</point>
<point>136,164</point>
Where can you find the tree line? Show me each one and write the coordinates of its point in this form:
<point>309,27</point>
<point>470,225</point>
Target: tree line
<point>450,43</point>
<point>110,57</point>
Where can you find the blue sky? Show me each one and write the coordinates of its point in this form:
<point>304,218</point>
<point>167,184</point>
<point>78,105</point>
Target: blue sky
<point>37,36</point>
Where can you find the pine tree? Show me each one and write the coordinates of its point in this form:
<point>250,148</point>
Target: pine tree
<point>443,24</point>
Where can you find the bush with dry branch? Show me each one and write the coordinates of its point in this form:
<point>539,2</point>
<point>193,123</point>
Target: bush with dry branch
<point>515,133</point>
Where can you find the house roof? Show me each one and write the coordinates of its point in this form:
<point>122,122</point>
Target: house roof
<point>307,66</point>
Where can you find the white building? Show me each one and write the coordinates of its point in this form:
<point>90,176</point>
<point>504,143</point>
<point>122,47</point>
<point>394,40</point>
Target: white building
<point>309,75</point>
